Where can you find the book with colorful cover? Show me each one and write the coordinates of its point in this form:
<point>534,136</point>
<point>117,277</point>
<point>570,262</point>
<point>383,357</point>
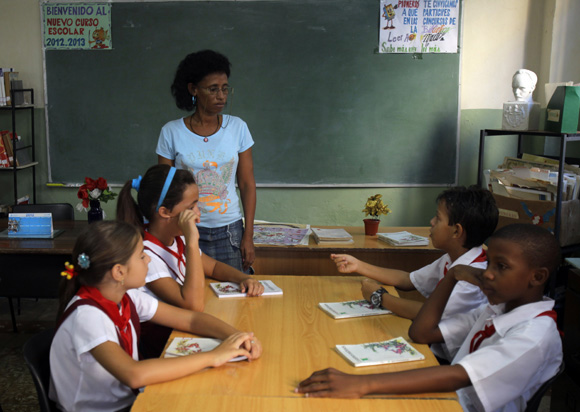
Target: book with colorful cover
<point>189,346</point>
<point>379,353</point>
<point>279,235</point>
<point>352,309</point>
<point>403,239</point>
<point>233,290</point>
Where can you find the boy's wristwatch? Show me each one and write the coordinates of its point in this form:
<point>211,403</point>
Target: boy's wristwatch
<point>377,297</point>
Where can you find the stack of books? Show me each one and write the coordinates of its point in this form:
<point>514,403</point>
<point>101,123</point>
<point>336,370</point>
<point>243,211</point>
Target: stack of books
<point>331,236</point>
<point>403,239</point>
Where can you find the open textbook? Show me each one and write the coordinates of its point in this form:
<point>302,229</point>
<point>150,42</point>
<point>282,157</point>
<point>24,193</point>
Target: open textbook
<point>378,353</point>
<point>233,290</point>
<point>189,346</point>
<point>352,309</point>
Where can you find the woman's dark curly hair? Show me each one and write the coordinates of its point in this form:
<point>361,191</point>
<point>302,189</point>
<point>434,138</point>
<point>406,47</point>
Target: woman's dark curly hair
<point>193,69</point>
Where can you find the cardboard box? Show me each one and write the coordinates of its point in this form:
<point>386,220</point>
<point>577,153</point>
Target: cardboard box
<point>563,110</point>
<point>542,213</point>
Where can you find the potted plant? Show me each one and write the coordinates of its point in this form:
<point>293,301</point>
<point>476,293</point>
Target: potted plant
<point>374,207</point>
<point>92,193</point>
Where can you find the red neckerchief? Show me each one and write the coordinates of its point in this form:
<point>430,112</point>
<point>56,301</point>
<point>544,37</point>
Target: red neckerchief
<point>180,255</point>
<point>489,330</point>
<point>121,320</point>
<point>481,258</point>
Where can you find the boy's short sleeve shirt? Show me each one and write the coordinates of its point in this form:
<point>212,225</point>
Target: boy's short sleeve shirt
<point>83,384</point>
<point>465,296</point>
<point>511,365</point>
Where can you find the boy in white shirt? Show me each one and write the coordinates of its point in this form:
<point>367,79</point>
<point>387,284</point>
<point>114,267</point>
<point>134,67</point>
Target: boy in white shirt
<point>465,218</point>
<point>504,351</point>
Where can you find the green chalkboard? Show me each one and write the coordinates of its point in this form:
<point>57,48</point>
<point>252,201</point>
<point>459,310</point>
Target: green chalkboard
<point>323,106</point>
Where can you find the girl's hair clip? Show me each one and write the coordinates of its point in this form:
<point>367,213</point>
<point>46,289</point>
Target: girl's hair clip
<point>84,261</point>
<point>136,183</point>
<point>70,271</point>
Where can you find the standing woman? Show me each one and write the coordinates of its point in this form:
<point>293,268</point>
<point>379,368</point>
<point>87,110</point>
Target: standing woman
<point>217,149</point>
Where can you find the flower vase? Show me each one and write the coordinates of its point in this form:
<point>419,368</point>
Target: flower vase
<point>371,226</point>
<point>95,213</point>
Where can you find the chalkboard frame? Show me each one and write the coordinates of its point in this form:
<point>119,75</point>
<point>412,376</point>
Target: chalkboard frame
<point>327,105</point>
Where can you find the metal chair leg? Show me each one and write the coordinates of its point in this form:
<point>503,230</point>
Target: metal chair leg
<point>12,315</point>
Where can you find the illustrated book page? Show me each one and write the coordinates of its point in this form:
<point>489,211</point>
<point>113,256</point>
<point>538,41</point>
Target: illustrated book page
<point>352,309</point>
<point>233,290</point>
<point>190,346</point>
<point>379,353</point>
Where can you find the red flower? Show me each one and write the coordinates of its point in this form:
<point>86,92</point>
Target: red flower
<point>101,184</point>
<point>90,184</point>
<point>82,193</point>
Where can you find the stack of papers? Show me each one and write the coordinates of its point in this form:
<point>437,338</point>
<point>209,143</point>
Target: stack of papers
<point>352,309</point>
<point>403,239</point>
<point>190,346</point>
<point>331,236</point>
<point>233,290</point>
<point>379,353</point>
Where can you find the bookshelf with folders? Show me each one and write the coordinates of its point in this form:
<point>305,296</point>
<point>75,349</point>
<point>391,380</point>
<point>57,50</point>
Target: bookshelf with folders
<point>17,150</point>
<point>565,220</point>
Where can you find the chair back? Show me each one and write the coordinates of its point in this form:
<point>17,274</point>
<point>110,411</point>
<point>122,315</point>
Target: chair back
<point>36,356</point>
<point>60,211</point>
<point>534,402</point>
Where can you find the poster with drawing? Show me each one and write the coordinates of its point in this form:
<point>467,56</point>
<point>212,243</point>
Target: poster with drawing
<point>77,26</point>
<point>418,26</point>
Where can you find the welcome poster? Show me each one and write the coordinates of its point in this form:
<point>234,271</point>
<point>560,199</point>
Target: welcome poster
<point>77,26</point>
<point>418,26</point>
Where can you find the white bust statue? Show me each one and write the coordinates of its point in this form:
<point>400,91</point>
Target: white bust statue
<point>523,113</point>
<point>524,84</point>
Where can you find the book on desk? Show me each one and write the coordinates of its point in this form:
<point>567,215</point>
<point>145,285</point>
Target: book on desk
<point>379,353</point>
<point>233,290</point>
<point>331,236</point>
<point>352,309</point>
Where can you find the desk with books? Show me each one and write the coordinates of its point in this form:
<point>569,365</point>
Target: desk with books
<point>314,259</point>
<point>298,338</point>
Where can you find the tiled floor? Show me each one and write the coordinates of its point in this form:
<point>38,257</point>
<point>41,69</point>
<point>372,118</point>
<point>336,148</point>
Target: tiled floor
<point>17,392</point>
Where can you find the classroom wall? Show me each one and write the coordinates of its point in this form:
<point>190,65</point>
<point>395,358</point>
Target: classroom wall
<point>499,37</point>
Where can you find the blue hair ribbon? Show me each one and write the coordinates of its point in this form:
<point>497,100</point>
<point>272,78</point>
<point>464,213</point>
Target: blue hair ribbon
<point>136,183</point>
<point>168,181</point>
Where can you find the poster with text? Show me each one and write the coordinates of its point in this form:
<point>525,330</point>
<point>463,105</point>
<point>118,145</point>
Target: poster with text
<point>418,26</point>
<point>77,26</point>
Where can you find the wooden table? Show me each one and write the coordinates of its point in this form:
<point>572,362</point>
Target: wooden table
<point>315,259</point>
<point>298,338</point>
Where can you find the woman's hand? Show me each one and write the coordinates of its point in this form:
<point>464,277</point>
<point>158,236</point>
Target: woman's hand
<point>331,383</point>
<point>187,221</point>
<point>345,263</point>
<point>252,287</point>
<point>368,286</point>
<point>248,252</point>
<point>232,347</point>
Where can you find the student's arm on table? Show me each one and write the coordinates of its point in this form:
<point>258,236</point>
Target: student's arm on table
<point>405,308</point>
<point>226,273</point>
<point>392,277</point>
<point>425,327</point>
<point>247,186</point>
<point>336,384</point>
<point>136,374</point>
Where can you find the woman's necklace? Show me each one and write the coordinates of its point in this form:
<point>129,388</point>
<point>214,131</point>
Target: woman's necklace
<point>205,138</point>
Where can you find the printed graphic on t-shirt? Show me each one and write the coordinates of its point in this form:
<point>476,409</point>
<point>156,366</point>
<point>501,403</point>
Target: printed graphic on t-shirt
<point>213,181</point>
